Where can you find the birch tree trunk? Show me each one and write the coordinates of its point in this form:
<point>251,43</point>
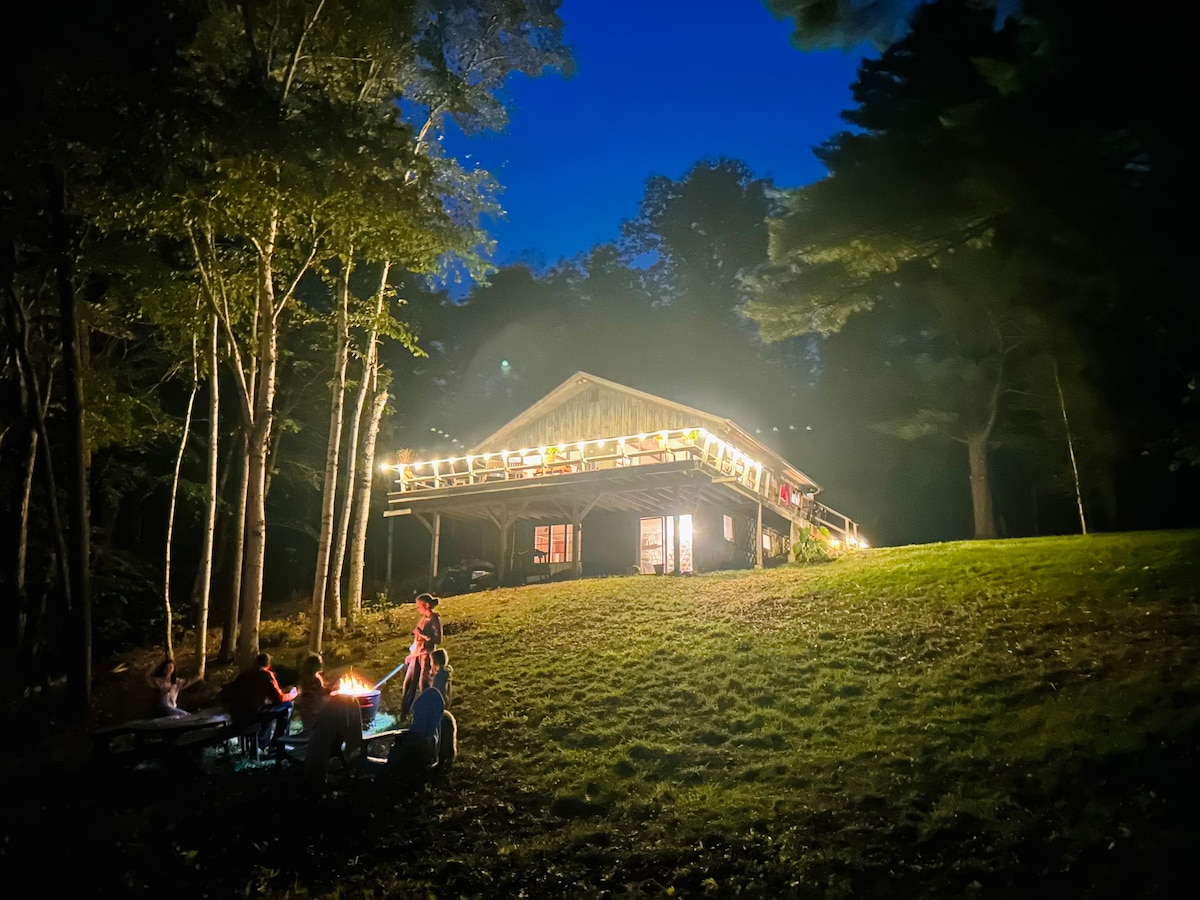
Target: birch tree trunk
<point>169,642</point>
<point>237,524</point>
<point>370,369</point>
<point>337,402</point>
<point>257,452</point>
<point>339,556</point>
<point>204,593</point>
<point>206,256</point>
<point>362,510</point>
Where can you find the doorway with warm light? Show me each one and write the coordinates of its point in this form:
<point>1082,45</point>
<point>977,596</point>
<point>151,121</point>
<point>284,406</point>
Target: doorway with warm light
<point>657,544</point>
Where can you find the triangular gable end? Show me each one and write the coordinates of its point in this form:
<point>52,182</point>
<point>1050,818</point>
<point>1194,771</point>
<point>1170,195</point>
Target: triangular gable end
<point>586,407</point>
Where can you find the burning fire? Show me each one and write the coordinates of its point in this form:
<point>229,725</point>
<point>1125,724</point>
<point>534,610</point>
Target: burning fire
<point>353,684</point>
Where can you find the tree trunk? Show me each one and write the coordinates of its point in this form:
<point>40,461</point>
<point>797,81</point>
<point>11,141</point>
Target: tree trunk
<point>343,529</point>
<point>257,454</point>
<point>203,595</point>
<point>981,487</point>
<point>237,526</point>
<point>79,666</point>
<point>244,371</point>
<point>169,643</point>
<point>362,510</point>
<point>1062,404</point>
<point>369,377</point>
<point>978,442</point>
<point>337,402</point>
<point>20,620</point>
<point>35,409</point>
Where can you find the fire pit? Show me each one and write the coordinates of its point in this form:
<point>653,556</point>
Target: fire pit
<point>352,685</point>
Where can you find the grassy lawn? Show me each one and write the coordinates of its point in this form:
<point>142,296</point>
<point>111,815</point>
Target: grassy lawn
<point>965,719</point>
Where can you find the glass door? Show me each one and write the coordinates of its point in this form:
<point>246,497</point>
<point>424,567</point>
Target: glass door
<point>656,542</point>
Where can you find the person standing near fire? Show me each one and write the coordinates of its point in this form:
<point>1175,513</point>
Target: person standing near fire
<point>418,669</point>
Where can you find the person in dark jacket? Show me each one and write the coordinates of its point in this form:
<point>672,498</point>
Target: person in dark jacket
<point>255,696</point>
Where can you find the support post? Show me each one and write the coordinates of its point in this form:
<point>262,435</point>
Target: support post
<point>678,548</point>
<point>578,514</point>
<point>502,573</point>
<point>758,558</point>
<point>391,540</point>
<point>435,548</point>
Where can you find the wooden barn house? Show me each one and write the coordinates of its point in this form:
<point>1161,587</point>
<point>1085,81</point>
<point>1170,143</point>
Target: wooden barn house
<point>600,479</point>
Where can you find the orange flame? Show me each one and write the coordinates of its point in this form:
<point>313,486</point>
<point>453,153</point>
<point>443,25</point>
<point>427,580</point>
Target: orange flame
<point>354,685</point>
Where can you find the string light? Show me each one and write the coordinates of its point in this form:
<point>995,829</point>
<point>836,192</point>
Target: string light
<point>743,467</point>
<point>691,436</point>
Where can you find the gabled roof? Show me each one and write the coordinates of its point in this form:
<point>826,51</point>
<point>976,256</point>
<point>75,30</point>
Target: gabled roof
<point>580,382</point>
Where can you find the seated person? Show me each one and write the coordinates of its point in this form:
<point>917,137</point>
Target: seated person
<point>336,731</point>
<point>442,672</point>
<point>255,696</point>
<point>314,691</point>
<point>430,741</point>
<point>167,684</point>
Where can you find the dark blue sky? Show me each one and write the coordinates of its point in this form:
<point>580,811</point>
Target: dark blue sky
<point>659,85</point>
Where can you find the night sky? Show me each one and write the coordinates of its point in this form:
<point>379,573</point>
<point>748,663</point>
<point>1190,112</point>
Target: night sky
<point>654,92</point>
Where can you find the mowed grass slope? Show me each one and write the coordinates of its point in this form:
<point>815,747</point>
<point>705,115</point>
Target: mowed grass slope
<point>966,719</point>
<point>896,710</point>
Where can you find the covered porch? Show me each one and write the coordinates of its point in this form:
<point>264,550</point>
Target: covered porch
<point>667,474</point>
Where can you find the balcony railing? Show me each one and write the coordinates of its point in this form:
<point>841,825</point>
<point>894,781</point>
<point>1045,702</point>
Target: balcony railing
<point>729,463</point>
<point>581,456</point>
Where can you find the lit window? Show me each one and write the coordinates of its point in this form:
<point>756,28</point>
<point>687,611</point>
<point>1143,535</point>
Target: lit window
<point>557,542</point>
<point>727,525</point>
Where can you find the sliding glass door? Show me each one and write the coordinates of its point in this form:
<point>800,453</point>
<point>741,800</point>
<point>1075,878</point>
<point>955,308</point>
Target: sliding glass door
<point>657,544</point>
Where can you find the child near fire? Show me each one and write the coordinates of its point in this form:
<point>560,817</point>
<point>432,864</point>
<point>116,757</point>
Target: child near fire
<point>442,673</point>
<point>418,671</point>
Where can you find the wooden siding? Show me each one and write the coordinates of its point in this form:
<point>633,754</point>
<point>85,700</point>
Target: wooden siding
<point>594,415</point>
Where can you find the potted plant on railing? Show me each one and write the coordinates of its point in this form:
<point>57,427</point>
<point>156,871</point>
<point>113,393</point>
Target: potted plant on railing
<point>555,462</point>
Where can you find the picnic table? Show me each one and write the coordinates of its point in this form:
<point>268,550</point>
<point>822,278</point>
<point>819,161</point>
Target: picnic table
<point>166,738</point>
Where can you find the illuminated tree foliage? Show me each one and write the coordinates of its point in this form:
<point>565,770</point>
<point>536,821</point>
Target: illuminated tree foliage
<point>969,202</point>
<point>236,153</point>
